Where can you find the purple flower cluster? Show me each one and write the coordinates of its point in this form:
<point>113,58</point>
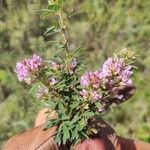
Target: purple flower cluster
<point>27,66</point>
<point>34,63</point>
<point>114,74</point>
<point>56,66</point>
<point>93,94</point>
<point>117,70</point>
<point>22,70</point>
<point>117,75</point>
<point>92,79</point>
<point>91,82</point>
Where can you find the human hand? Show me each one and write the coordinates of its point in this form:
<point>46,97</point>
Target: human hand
<point>39,139</point>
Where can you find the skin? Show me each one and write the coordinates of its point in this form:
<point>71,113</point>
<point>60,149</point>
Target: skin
<point>90,144</point>
<point>37,139</point>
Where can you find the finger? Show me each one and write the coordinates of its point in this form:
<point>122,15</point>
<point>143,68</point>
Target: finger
<point>35,138</point>
<point>91,144</point>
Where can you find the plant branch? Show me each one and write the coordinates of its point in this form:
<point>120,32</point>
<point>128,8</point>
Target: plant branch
<point>64,33</point>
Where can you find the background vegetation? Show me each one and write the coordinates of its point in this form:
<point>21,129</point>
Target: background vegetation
<point>102,27</point>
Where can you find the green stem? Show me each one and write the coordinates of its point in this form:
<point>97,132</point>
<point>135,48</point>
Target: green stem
<point>64,33</point>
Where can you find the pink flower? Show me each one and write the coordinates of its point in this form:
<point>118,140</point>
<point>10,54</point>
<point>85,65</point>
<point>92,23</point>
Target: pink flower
<point>119,96</point>
<point>116,69</point>
<point>85,79</point>
<point>126,74</point>
<point>116,74</point>
<point>27,67</point>
<point>52,81</point>
<point>91,79</point>
<point>112,66</point>
<point>84,93</point>
<point>95,95</point>
<point>41,92</point>
<point>21,70</point>
<point>34,63</point>
<point>95,78</point>
<point>56,66</point>
<point>71,67</point>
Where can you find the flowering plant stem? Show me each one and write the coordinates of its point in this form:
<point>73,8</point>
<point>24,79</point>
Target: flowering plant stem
<point>64,32</point>
<point>68,89</point>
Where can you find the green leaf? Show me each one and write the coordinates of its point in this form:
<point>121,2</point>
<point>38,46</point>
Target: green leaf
<point>75,119</point>
<point>66,134</point>
<point>76,51</point>
<point>69,125</point>
<point>60,2</point>
<point>52,30</point>
<point>60,84</point>
<point>75,104</point>
<point>52,104</point>
<point>85,136</point>
<point>45,12</point>
<point>82,124</point>
<point>34,89</point>
<point>98,105</point>
<point>54,7</point>
<point>60,129</point>
<point>58,57</point>
<point>88,114</point>
<point>58,139</point>
<point>75,133</point>
<point>61,107</point>
<point>50,123</point>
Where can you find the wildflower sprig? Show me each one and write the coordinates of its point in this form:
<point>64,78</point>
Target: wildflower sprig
<point>73,94</point>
